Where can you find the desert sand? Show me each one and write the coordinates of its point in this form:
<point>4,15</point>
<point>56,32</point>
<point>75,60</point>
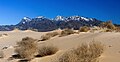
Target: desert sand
<point>111,40</point>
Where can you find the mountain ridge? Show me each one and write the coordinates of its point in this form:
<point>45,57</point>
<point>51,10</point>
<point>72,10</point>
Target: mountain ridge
<point>42,23</point>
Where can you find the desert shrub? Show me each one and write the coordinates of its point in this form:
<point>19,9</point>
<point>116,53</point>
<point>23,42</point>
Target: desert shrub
<point>96,49</point>
<point>117,29</point>
<point>26,48</point>
<point>45,50</point>
<point>48,36</point>
<point>23,60</point>
<point>1,35</point>
<point>84,53</point>
<point>52,34</point>
<point>84,29</point>
<point>67,56</point>
<point>108,30</point>
<point>108,25</point>
<point>5,34</point>
<point>45,37</point>
<point>66,32</point>
<point>89,52</point>
<point>1,54</point>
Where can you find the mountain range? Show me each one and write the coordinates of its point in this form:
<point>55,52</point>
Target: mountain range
<point>42,23</point>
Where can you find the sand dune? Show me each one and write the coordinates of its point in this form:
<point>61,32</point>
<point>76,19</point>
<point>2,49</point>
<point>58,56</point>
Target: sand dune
<point>110,39</point>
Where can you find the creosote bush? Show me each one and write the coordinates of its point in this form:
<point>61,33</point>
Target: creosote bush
<point>49,35</point>
<point>84,29</point>
<point>84,53</point>
<point>45,50</point>
<point>66,32</point>
<point>26,48</point>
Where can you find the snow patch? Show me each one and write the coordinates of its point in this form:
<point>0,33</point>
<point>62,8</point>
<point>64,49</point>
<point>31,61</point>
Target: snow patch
<point>61,18</point>
<point>40,17</point>
<point>86,19</point>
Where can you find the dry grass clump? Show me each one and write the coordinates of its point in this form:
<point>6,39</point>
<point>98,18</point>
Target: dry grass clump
<point>66,32</point>
<point>49,35</point>
<point>45,50</point>
<point>26,48</point>
<point>84,29</point>
<point>84,53</point>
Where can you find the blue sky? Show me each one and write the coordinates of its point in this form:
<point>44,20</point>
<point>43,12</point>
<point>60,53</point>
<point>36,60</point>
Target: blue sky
<point>11,11</point>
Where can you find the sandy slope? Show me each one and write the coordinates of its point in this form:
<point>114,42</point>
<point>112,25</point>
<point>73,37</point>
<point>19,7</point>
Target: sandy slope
<point>111,54</point>
<point>15,36</point>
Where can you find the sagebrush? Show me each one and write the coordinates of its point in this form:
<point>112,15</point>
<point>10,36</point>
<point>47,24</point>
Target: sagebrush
<point>26,48</point>
<point>45,50</point>
<point>83,53</point>
<point>49,35</point>
<point>108,25</point>
<point>66,32</point>
<point>84,29</point>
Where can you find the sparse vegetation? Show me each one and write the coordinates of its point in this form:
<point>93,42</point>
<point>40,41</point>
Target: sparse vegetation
<point>52,34</point>
<point>84,29</point>
<point>66,32</point>
<point>84,53</point>
<point>96,48</point>
<point>27,48</point>
<point>23,60</point>
<point>67,56</point>
<point>108,25</point>
<point>4,34</point>
<point>117,29</point>
<point>49,35</point>
<point>45,50</point>
<point>45,37</point>
<point>108,30</point>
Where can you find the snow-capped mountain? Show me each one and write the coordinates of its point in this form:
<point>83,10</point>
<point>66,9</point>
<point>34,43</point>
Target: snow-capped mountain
<point>42,23</point>
<point>60,18</point>
<point>74,18</point>
<point>25,20</point>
